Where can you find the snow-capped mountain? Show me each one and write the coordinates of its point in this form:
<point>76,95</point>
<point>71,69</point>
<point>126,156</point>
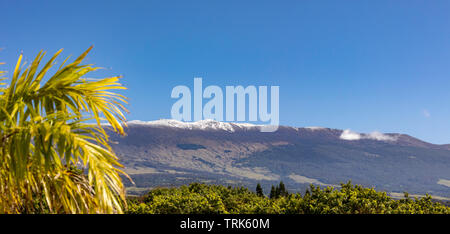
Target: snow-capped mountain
<point>209,124</point>
<point>206,124</point>
<point>170,152</point>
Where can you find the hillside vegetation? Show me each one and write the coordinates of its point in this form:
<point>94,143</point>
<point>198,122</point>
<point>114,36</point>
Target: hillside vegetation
<point>217,199</point>
<point>161,154</point>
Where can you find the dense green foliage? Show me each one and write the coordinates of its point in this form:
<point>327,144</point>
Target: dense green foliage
<point>51,132</point>
<point>216,199</point>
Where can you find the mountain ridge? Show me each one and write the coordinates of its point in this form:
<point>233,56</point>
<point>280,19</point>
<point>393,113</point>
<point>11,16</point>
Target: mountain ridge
<point>209,124</point>
<point>166,153</point>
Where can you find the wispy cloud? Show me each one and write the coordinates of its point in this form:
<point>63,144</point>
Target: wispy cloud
<point>426,113</point>
<point>350,135</point>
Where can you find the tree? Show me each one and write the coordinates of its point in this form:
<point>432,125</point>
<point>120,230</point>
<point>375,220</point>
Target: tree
<point>52,156</point>
<point>259,190</point>
<point>273,193</point>
<point>216,199</point>
<point>281,190</point>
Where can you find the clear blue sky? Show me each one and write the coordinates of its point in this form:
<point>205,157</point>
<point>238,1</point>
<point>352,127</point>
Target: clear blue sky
<point>363,65</point>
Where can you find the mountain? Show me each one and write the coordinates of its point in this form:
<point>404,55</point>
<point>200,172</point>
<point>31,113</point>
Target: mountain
<point>170,152</point>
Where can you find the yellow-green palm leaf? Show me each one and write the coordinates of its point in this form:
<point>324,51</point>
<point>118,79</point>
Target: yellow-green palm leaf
<point>54,152</point>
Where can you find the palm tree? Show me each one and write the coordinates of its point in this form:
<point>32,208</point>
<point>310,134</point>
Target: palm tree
<point>54,151</point>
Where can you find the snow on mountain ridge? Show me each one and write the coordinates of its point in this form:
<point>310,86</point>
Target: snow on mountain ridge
<point>207,124</point>
<point>315,128</point>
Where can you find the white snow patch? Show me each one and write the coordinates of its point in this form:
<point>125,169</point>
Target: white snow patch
<point>444,182</point>
<point>207,124</point>
<point>315,128</point>
<point>305,180</point>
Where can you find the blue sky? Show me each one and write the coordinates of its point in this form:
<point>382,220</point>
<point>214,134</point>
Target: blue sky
<point>363,65</point>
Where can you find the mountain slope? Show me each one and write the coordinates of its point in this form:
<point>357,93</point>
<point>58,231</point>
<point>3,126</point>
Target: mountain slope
<point>169,152</point>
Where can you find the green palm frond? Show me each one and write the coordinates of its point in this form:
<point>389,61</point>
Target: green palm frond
<point>52,158</point>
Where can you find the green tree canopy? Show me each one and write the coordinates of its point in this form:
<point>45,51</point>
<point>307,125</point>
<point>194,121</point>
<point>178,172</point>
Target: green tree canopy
<point>348,199</point>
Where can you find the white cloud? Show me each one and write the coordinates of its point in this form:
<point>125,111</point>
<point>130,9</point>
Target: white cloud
<point>426,113</point>
<point>379,136</point>
<point>350,135</point>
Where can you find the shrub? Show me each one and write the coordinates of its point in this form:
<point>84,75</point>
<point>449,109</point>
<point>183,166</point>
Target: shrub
<point>216,199</point>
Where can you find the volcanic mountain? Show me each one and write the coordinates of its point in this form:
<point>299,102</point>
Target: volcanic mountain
<point>171,153</point>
